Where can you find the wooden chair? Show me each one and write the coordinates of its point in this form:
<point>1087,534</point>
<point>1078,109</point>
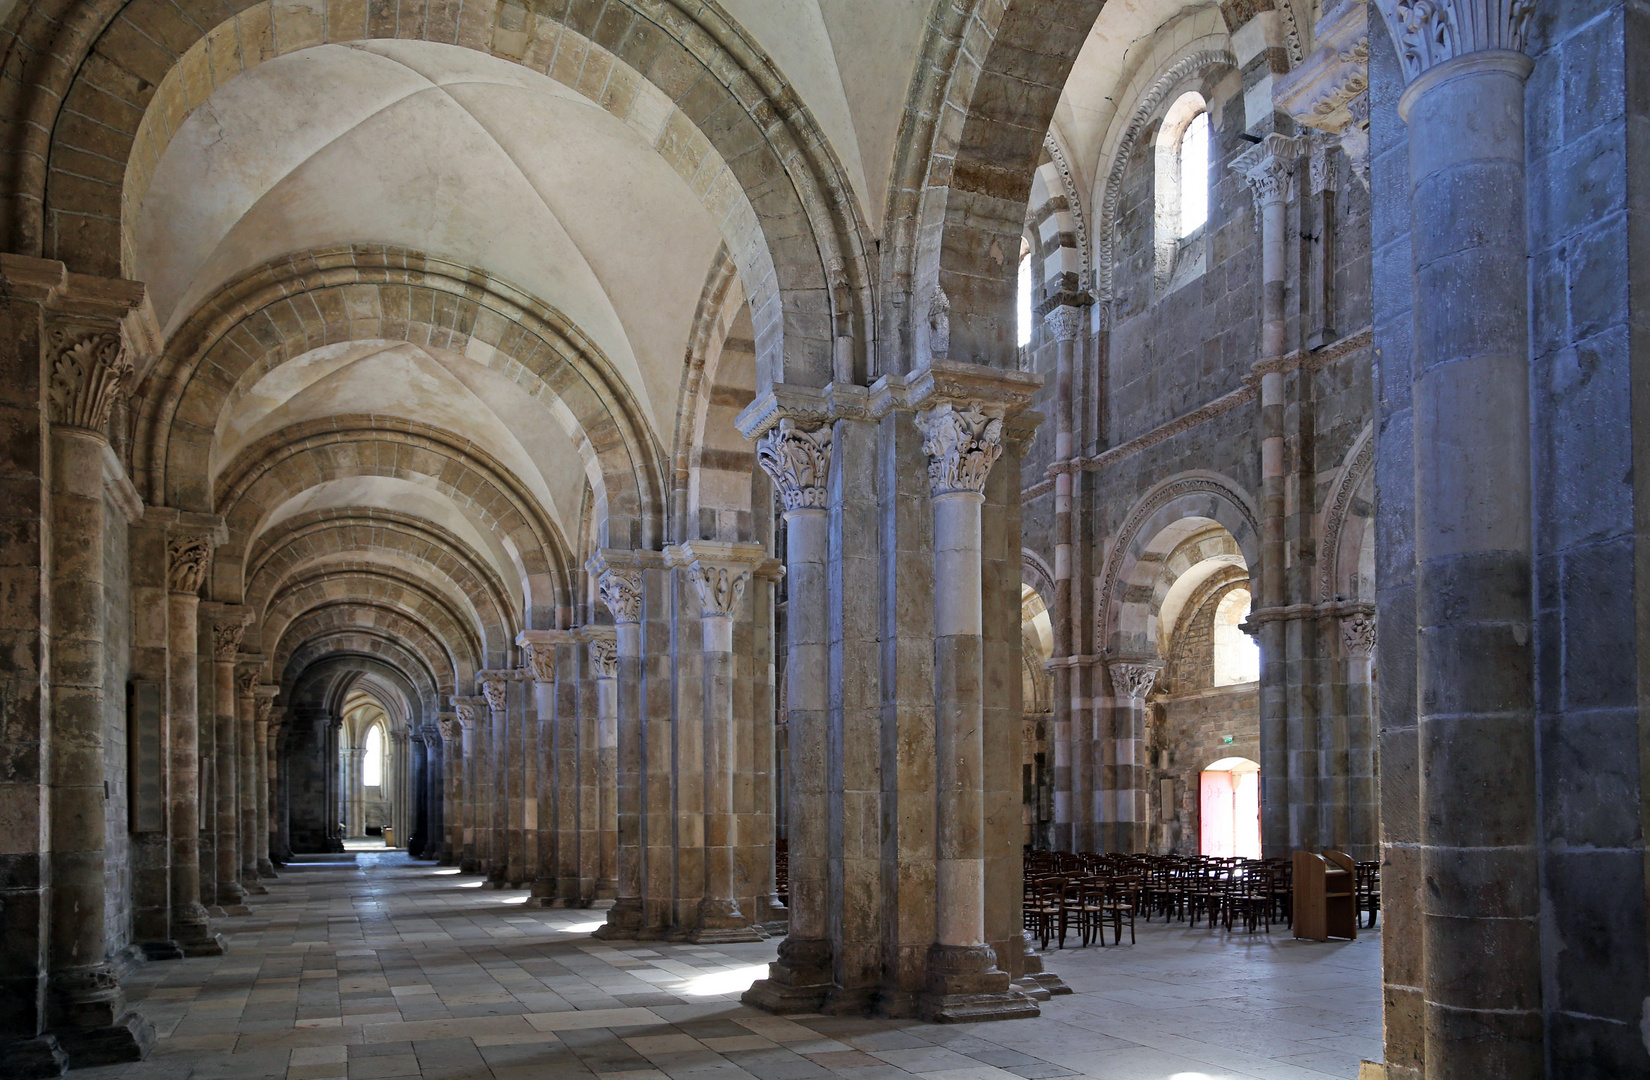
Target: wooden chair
<point>1121,898</point>
<point>1369,890</point>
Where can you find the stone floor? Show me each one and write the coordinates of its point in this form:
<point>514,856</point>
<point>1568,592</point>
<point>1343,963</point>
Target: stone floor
<point>372,967</point>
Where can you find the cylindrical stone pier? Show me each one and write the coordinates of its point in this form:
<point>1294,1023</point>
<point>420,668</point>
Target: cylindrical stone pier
<point>604,662</point>
<point>799,461</point>
<point>187,556</point>
<point>246,712</point>
<point>226,643</point>
<point>621,591</point>
<point>1481,904</point>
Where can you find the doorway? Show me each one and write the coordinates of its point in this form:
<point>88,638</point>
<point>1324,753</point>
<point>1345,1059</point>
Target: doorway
<point>1231,809</point>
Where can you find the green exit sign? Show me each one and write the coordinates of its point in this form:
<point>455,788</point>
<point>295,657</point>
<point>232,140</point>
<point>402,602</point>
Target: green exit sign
<point>1226,739</point>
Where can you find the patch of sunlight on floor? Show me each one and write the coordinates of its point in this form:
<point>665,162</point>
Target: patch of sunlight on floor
<point>722,982</point>
<point>582,928</point>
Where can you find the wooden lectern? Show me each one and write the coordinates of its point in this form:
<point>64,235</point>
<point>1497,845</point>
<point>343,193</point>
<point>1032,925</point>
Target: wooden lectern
<point>1326,903</point>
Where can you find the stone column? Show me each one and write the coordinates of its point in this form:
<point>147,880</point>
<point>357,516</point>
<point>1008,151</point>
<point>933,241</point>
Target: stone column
<point>1267,166</point>
<point>495,691</point>
<point>798,460</point>
<point>90,365</point>
<point>265,809</point>
<point>1481,903</point>
<point>964,979</point>
<point>246,711</point>
<point>452,764</point>
<point>227,631</point>
<point>1362,795</point>
<point>1065,322</point>
<point>621,592</point>
<point>721,572</point>
<point>1131,684</point>
<point>436,755</point>
<point>187,556</point>
<point>604,667</point>
<point>539,656</point>
<point>467,784</point>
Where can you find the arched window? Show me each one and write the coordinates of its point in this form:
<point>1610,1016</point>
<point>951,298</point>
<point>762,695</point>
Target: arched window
<point>1194,174</point>
<point>1182,179</point>
<point>372,759</point>
<point>1237,656</point>
<point>1023,296</point>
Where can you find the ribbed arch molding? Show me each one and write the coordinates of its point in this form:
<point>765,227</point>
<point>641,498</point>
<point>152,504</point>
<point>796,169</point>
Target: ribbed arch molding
<point>304,639</point>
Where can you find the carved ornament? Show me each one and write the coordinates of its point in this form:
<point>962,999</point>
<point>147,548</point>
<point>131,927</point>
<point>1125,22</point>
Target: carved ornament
<point>621,589</point>
<point>962,445</point>
<point>720,587</point>
<point>1268,165</point>
<point>1064,322</point>
<point>939,323</point>
<point>187,555</point>
<point>1358,634</point>
<point>450,731</point>
<point>604,656</point>
<point>1429,32</point>
<point>494,691</point>
<point>1134,680</point>
<point>226,637</point>
<point>799,461</point>
<point>541,660</point>
<point>468,713</point>
<point>90,370</point>
<point>246,679</point>
<point>263,707</point>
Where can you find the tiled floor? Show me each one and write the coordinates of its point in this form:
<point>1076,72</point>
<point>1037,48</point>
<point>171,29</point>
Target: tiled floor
<point>374,967</point>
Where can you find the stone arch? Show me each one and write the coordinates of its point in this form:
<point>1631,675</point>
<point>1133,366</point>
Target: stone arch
<point>714,463</point>
<point>1036,573</point>
<point>274,469</point>
<point>1206,553</point>
<point>301,542</point>
<point>687,78</point>
<point>287,308</point>
<point>1190,62</point>
<point>1182,503</point>
<point>375,583</point>
<point>1347,513</point>
<point>355,649</point>
<point>326,623</point>
<point>987,83</point>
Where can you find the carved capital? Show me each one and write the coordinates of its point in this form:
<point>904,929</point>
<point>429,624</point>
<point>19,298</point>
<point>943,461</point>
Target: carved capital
<point>1267,166</point>
<point>540,657</point>
<point>494,691</point>
<point>450,731</point>
<point>227,632</point>
<point>1134,680</point>
<point>1358,634</point>
<point>720,587</point>
<point>799,461</point>
<point>264,706</point>
<point>187,555</point>
<point>621,589</point>
<point>962,445</point>
<point>89,371</point>
<point>246,678</point>
<point>1064,322</point>
<point>1428,33</point>
<point>467,714</point>
<point>604,655</point>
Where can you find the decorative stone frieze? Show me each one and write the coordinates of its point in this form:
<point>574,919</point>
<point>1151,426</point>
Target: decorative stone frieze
<point>1329,91</point>
<point>1429,32</point>
<point>962,445</point>
<point>799,461</point>
<point>89,371</point>
<point>1134,679</point>
<point>187,555</point>
<point>1358,634</point>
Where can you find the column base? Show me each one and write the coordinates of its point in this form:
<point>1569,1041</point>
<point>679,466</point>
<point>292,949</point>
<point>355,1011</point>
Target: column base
<point>469,865</point>
<point>965,985</point>
<point>266,869</point>
<point>798,982</point>
<point>843,1002</point>
<point>543,894</point>
<point>252,885</point>
<point>1031,989</point>
<point>216,911</point>
<point>722,921</point>
<point>161,950</point>
<point>192,930</point>
<point>33,1059</point>
<point>231,893</point>
<point>1032,973</point>
<point>624,920</point>
<point>235,910</point>
<point>129,1038</point>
